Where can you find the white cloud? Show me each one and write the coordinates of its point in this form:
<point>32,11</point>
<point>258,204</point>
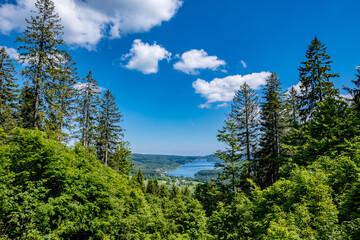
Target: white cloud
<point>221,105</point>
<point>296,87</point>
<point>243,64</point>
<point>11,52</point>
<point>145,58</point>
<point>223,89</point>
<point>87,22</point>
<point>81,86</point>
<point>194,60</point>
<point>205,105</point>
<point>346,96</point>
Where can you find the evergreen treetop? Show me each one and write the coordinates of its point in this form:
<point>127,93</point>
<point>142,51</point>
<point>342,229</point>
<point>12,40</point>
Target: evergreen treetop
<point>273,123</point>
<point>315,78</point>
<point>8,91</point>
<point>39,49</point>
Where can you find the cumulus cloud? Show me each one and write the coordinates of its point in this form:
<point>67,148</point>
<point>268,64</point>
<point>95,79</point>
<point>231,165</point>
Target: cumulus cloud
<point>81,86</point>
<point>145,57</point>
<point>194,60</point>
<point>87,22</point>
<point>296,87</point>
<point>12,52</point>
<point>223,89</point>
<point>243,64</point>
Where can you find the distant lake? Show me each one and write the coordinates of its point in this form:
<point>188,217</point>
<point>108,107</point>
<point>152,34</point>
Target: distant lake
<point>189,169</point>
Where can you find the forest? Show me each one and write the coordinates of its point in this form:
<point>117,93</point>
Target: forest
<point>290,169</point>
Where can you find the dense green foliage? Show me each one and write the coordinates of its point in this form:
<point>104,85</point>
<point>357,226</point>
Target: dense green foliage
<point>51,191</point>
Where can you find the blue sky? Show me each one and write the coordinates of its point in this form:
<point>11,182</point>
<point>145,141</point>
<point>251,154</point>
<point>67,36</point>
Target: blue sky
<point>173,65</point>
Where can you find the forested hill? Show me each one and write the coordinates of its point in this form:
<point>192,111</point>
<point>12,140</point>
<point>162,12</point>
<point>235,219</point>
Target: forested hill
<point>163,163</point>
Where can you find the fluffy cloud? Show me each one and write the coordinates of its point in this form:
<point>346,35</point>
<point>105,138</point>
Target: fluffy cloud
<point>11,52</point>
<point>81,86</point>
<point>296,87</point>
<point>145,58</point>
<point>87,22</point>
<point>243,64</point>
<point>194,60</point>
<point>223,89</point>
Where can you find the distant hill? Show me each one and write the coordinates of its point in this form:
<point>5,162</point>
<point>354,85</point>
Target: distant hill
<point>152,163</point>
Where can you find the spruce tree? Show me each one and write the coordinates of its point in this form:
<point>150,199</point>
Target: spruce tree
<point>293,107</point>
<point>272,127</point>
<point>109,130</point>
<point>8,91</point>
<point>232,165</point>
<point>355,92</point>
<point>26,107</point>
<point>61,96</point>
<point>40,51</point>
<point>315,78</point>
<point>139,178</point>
<point>121,159</point>
<point>244,111</point>
<point>88,100</point>
<point>163,192</point>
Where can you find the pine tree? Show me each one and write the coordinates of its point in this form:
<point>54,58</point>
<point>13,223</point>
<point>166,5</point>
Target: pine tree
<point>355,92</point>
<point>175,192</point>
<point>61,96</point>
<point>88,109</point>
<point>26,107</point>
<point>315,78</point>
<point>109,130</point>
<point>163,192</point>
<point>150,187</point>
<point>121,159</point>
<point>272,127</point>
<point>244,111</point>
<point>8,91</point>
<point>186,191</point>
<point>232,165</point>
<point>293,107</point>
<point>40,51</point>
<point>139,178</point>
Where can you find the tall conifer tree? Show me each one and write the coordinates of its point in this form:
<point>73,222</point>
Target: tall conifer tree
<point>121,159</point>
<point>26,107</point>
<point>293,107</point>
<point>245,112</point>
<point>272,127</point>
<point>8,91</point>
<point>109,129</point>
<point>315,78</point>
<point>232,165</point>
<point>61,96</point>
<point>88,109</point>
<point>39,49</point>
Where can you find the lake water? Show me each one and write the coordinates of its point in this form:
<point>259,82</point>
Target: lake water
<point>189,169</point>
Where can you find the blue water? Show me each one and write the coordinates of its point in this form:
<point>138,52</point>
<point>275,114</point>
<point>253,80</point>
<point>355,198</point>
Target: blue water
<point>189,169</point>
